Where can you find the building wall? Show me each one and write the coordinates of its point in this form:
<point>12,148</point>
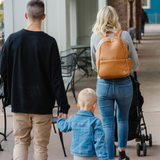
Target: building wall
<point>121,8</point>
<point>56,23</point>
<point>155,7</point>
<point>154,11</point>
<point>86,16</point>
<point>14,18</point>
<point>60,21</point>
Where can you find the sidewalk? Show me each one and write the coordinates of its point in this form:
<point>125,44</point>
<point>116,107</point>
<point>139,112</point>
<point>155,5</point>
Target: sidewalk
<point>148,76</point>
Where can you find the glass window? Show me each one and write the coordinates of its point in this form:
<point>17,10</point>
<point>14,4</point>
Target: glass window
<point>146,4</point>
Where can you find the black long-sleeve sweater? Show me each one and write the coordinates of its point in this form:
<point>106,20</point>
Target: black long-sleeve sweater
<point>31,67</point>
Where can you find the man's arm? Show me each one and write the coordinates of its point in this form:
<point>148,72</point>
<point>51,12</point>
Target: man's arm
<point>57,81</point>
<point>132,52</point>
<point>99,141</point>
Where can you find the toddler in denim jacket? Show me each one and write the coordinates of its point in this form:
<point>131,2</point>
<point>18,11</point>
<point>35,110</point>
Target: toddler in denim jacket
<point>88,138</point>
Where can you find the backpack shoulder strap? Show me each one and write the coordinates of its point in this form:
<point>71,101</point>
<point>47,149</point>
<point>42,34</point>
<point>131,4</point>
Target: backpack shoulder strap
<point>118,33</point>
<point>103,36</point>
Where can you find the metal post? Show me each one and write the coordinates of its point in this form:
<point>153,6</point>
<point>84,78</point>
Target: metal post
<point>131,14</point>
<point>5,120</point>
<point>1,148</point>
<point>155,17</point>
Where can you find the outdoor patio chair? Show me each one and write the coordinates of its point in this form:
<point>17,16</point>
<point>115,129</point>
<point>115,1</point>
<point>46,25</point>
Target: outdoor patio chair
<point>67,81</point>
<point>5,124</point>
<point>2,97</point>
<point>68,66</point>
<point>84,60</point>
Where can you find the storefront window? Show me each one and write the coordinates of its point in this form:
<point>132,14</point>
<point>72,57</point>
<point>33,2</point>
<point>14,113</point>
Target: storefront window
<point>146,4</point>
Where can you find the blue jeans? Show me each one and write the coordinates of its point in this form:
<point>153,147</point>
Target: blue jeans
<point>111,92</point>
<point>142,28</point>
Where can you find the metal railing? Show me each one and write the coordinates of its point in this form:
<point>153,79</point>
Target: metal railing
<point>154,18</point>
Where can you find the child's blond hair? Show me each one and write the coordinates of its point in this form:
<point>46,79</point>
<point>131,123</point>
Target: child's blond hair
<point>87,98</point>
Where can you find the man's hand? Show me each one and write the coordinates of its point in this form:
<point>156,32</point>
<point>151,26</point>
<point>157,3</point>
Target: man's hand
<point>65,116</point>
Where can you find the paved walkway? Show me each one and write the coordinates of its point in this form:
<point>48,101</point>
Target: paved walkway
<point>149,77</point>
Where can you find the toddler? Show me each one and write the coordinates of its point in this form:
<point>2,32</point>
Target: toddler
<point>88,138</point>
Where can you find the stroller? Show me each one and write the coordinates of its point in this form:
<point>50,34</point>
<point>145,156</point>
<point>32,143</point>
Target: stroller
<point>136,120</point>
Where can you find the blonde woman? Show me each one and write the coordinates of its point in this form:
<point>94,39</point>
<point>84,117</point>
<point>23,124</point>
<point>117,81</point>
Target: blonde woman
<point>111,91</point>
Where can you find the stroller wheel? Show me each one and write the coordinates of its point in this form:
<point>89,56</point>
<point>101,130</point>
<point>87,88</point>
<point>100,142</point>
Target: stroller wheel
<point>142,139</point>
<point>144,149</point>
<point>138,149</point>
<point>150,140</point>
<point>114,150</point>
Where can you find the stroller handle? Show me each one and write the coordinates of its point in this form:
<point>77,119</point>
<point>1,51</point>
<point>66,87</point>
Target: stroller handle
<point>135,75</point>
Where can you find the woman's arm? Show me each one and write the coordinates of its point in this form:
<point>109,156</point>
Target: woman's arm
<point>132,53</point>
<point>93,54</point>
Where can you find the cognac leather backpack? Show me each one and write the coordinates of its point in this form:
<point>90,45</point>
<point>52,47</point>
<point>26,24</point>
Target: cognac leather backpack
<point>112,57</point>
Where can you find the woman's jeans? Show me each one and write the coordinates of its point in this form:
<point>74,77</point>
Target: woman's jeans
<point>113,92</point>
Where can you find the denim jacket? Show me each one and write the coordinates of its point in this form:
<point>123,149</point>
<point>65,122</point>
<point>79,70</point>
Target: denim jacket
<point>88,138</point>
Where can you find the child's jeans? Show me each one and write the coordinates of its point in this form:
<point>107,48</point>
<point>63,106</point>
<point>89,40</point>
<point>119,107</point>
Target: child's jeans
<point>85,157</point>
<point>22,126</point>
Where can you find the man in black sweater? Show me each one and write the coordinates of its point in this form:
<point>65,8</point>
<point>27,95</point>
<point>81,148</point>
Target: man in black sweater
<point>31,68</point>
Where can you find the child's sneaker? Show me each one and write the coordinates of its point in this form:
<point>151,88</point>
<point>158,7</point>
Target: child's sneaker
<point>122,156</point>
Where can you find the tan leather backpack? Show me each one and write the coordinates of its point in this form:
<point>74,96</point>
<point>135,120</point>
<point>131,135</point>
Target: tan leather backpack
<point>112,57</point>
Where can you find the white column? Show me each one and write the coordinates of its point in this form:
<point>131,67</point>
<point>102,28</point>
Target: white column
<point>8,18</point>
<point>64,24</point>
<point>102,3</point>
<point>73,21</point>
<point>57,23</point>
<point>14,16</point>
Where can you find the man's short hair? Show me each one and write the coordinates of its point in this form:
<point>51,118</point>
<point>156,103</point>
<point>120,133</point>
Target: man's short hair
<point>35,10</point>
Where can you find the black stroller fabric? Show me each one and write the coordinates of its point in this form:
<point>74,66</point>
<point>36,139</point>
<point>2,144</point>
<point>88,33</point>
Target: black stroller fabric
<point>137,101</point>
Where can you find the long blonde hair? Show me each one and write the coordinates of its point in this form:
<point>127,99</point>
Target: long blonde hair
<point>107,19</point>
